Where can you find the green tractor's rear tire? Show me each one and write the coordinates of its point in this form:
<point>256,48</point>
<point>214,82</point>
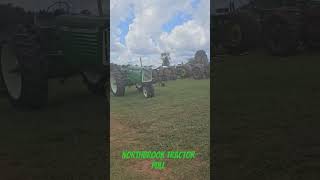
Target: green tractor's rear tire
<point>148,90</point>
<point>24,70</point>
<point>2,85</point>
<point>197,73</point>
<point>117,81</point>
<point>188,70</point>
<point>182,72</point>
<point>281,35</point>
<point>241,33</point>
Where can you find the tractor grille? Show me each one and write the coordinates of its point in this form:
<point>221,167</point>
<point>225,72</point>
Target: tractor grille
<point>85,43</point>
<point>105,48</point>
<point>83,46</point>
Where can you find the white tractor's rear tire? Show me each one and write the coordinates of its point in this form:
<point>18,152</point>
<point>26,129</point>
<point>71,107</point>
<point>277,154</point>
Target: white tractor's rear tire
<point>117,81</point>
<point>12,80</point>
<point>24,70</point>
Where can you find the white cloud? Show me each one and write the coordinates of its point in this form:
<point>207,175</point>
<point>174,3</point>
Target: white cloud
<point>185,37</point>
<point>146,38</point>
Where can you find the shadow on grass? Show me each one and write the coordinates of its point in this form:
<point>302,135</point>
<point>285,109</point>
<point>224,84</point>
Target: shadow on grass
<point>266,117</point>
<point>67,139</point>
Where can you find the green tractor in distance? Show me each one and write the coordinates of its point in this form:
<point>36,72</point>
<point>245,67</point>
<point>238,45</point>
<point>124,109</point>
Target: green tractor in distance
<point>291,26</point>
<point>129,75</point>
<point>235,26</point>
<point>54,43</point>
<point>200,65</point>
<point>283,27</point>
<point>165,72</point>
<point>197,67</point>
<point>184,70</point>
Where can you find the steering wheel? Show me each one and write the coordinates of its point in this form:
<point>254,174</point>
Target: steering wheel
<point>59,7</point>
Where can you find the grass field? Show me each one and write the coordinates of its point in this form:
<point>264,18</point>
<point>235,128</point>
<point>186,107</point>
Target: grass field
<point>64,141</point>
<point>267,116</point>
<point>177,118</point>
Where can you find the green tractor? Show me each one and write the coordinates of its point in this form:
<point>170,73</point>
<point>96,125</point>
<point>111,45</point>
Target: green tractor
<point>184,70</point>
<point>235,27</point>
<point>292,26</point>
<point>129,75</point>
<point>165,72</point>
<point>54,43</point>
<point>197,67</point>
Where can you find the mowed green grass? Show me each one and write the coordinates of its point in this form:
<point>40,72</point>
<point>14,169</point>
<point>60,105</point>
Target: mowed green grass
<point>177,118</point>
<point>267,116</point>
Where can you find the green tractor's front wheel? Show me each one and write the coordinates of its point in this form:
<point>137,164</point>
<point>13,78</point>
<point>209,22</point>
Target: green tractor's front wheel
<point>96,82</point>
<point>148,90</point>
<point>117,82</point>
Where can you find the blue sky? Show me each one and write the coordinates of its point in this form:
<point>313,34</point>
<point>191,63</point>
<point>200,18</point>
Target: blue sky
<point>157,26</point>
<point>179,18</point>
<point>124,25</point>
<point>195,3</point>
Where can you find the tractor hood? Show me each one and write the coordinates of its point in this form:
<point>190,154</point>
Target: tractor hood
<point>82,21</point>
